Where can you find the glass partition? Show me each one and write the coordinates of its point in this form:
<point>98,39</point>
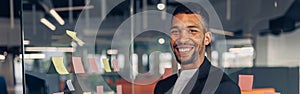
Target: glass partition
<point>93,46</point>
<point>123,46</point>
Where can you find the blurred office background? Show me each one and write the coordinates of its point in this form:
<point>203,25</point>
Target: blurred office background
<point>259,37</point>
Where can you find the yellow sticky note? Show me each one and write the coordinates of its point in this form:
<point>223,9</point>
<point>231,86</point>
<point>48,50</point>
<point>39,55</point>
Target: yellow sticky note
<point>87,93</point>
<point>59,65</point>
<point>110,92</point>
<point>106,65</point>
<point>73,36</point>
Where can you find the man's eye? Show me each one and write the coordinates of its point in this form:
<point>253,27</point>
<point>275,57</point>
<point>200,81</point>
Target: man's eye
<point>193,31</point>
<point>174,31</point>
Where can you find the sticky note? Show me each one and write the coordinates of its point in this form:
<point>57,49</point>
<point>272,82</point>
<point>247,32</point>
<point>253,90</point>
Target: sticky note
<point>87,93</point>
<point>77,64</point>
<point>168,72</point>
<point>58,93</point>
<point>70,85</point>
<point>73,36</point>
<point>110,92</point>
<point>93,64</point>
<point>246,82</point>
<point>106,65</point>
<point>59,65</point>
<point>100,90</point>
<point>115,65</point>
<point>119,89</point>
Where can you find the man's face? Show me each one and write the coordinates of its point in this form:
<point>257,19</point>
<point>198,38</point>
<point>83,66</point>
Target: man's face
<point>188,38</point>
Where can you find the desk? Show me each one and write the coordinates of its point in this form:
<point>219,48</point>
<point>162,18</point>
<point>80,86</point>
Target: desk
<point>258,91</point>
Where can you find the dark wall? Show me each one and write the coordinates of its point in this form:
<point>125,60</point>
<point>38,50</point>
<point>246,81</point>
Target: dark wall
<point>285,80</point>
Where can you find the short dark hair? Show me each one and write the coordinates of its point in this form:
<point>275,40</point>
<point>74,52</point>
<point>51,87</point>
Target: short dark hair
<point>193,8</point>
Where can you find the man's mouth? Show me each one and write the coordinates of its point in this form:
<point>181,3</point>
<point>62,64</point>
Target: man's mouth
<point>185,49</point>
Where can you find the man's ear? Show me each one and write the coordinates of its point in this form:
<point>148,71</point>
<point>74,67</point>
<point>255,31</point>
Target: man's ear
<point>207,38</point>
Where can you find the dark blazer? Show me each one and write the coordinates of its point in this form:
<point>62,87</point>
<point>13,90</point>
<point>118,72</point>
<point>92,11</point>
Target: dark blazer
<point>207,80</point>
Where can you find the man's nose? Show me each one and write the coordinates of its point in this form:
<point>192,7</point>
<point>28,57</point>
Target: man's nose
<point>184,36</point>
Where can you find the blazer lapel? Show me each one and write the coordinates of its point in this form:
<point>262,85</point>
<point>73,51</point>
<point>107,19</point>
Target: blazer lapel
<point>190,85</point>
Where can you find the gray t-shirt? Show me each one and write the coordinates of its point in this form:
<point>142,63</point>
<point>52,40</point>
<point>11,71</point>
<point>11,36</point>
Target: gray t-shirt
<point>184,77</point>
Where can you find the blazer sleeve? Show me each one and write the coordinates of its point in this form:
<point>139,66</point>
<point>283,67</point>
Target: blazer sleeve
<point>158,88</point>
<point>228,88</point>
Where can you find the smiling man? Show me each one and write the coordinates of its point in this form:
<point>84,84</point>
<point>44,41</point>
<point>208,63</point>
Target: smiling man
<point>189,37</point>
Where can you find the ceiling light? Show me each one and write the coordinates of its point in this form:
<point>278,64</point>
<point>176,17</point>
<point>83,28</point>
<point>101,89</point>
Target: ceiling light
<point>57,17</point>
<point>2,57</point>
<point>33,56</point>
<point>243,49</point>
<point>234,50</point>
<point>161,40</point>
<point>221,32</point>
<point>161,6</point>
<point>26,42</point>
<point>73,44</point>
<point>48,24</point>
<point>74,8</point>
<point>112,51</point>
<point>49,49</point>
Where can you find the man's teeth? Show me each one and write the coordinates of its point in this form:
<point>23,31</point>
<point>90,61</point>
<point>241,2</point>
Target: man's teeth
<point>184,49</point>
